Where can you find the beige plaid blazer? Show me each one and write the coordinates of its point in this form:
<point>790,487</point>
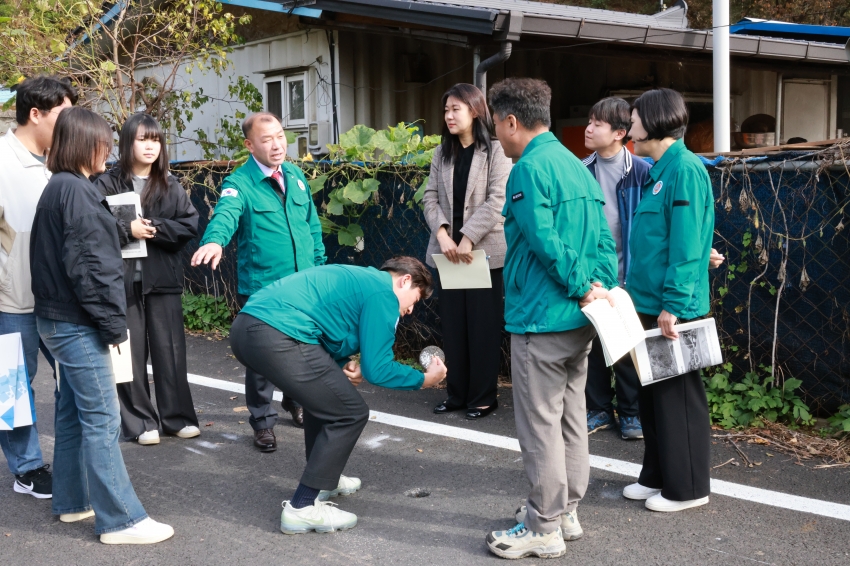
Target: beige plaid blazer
<point>483,222</point>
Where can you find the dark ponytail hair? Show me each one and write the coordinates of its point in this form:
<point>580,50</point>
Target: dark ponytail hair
<point>157,185</point>
<point>482,124</point>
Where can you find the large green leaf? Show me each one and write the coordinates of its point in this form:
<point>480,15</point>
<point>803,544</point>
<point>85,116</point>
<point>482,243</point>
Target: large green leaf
<point>317,184</point>
<point>328,225</point>
<point>335,204</point>
<point>358,141</point>
<point>350,235</point>
<point>420,192</point>
<point>395,142</point>
<point>359,191</point>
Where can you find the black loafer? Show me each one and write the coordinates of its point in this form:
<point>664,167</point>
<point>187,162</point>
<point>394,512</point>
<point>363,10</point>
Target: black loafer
<point>444,408</point>
<point>476,413</point>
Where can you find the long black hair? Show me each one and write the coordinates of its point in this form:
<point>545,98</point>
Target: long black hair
<point>482,124</point>
<point>157,185</point>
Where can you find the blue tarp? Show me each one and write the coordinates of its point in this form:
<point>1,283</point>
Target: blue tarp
<point>770,28</point>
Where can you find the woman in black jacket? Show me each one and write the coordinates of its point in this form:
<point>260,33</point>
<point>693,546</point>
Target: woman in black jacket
<point>77,282</point>
<point>153,284</point>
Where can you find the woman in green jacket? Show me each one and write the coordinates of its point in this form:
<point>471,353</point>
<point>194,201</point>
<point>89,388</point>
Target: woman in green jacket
<point>668,281</point>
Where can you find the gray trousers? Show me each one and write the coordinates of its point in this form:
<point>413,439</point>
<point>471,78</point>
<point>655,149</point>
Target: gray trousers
<point>549,372</point>
<point>334,412</point>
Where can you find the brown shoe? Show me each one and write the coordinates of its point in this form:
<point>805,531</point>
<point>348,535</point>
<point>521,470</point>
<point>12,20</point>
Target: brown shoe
<point>297,416</point>
<point>265,440</point>
<point>296,411</point>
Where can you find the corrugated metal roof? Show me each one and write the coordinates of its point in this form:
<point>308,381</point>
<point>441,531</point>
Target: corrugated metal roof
<point>673,17</point>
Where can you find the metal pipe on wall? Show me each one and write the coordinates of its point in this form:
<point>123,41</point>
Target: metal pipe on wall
<point>779,80</point>
<point>720,60</point>
<point>476,60</point>
<point>481,70</point>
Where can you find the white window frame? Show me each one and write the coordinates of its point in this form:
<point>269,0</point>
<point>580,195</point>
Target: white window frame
<point>285,81</point>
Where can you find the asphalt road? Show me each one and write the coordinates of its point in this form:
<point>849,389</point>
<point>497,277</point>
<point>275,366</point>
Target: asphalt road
<point>223,497</point>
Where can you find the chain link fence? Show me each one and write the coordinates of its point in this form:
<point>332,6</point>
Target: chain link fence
<point>781,299</point>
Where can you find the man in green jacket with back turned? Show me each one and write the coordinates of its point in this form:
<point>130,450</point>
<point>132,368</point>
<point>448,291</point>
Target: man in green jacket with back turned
<point>268,205</point>
<point>561,256</point>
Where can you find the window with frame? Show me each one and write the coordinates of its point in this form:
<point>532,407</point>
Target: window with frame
<point>286,97</point>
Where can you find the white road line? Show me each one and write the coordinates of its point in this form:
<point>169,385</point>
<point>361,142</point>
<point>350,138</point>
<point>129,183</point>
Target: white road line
<point>718,487</point>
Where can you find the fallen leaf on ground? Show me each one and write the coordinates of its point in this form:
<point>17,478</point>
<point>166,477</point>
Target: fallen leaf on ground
<point>232,398</point>
<point>240,409</point>
<point>419,450</point>
<point>241,422</point>
<point>208,424</point>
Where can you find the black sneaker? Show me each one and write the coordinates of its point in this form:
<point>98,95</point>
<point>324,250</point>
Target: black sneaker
<point>37,482</point>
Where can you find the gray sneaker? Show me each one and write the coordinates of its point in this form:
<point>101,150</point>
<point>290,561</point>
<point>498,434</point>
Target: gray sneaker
<point>519,542</point>
<point>570,527</point>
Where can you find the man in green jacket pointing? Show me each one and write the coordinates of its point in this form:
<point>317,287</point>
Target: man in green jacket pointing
<point>561,256</point>
<point>300,332</point>
<point>268,205</point>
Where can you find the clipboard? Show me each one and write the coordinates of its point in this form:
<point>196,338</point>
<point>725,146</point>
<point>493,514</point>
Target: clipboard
<point>475,275</point>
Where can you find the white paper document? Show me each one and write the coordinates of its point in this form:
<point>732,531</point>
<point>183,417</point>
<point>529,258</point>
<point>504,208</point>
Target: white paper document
<point>122,363</point>
<point>618,327</point>
<point>658,358</point>
<point>128,207</point>
<point>475,275</point>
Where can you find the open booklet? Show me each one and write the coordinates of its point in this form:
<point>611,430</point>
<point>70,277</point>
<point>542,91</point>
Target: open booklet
<point>658,358</point>
<point>619,327</point>
<point>128,207</point>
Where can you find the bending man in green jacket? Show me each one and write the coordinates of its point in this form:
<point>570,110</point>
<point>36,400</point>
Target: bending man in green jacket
<point>561,256</point>
<point>300,332</point>
<point>268,205</point>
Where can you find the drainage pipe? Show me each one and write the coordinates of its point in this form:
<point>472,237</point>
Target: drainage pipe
<point>487,64</point>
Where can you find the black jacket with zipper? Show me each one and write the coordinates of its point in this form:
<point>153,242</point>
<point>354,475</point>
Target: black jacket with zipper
<point>176,223</point>
<point>75,258</point>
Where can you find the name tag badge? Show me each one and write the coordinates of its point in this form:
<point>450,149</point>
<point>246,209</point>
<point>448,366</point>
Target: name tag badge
<point>301,185</point>
<point>517,196</point>
<point>657,188</point>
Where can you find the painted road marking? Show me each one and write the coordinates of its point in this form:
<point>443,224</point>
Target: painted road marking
<point>628,469</point>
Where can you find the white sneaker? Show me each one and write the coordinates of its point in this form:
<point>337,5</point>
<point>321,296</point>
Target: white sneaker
<point>570,527</point>
<point>188,432</point>
<point>147,531</point>
<point>74,517</point>
<point>639,492</point>
<point>519,542</point>
<point>346,486</point>
<point>659,503</point>
<point>322,517</point>
<point>149,437</point>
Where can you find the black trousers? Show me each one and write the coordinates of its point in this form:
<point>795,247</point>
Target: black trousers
<point>599,393</point>
<point>676,433</point>
<point>334,412</point>
<point>472,322</point>
<point>156,327</point>
<point>259,392</point>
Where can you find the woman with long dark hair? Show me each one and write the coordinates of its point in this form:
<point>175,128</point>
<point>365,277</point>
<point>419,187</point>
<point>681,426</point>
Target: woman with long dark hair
<point>463,207</point>
<point>153,284</point>
<point>77,274</point>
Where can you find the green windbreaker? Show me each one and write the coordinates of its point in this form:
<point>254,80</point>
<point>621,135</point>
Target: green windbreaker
<point>276,236</point>
<point>346,309</point>
<point>558,239</point>
<point>671,237</point>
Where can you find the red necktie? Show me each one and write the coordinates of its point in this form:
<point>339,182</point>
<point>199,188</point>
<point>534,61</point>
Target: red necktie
<point>278,176</point>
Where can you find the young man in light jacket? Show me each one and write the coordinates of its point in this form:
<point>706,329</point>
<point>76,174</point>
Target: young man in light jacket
<point>23,176</point>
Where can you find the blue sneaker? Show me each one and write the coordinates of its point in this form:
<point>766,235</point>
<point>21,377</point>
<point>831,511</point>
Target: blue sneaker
<point>630,428</point>
<point>599,420</point>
